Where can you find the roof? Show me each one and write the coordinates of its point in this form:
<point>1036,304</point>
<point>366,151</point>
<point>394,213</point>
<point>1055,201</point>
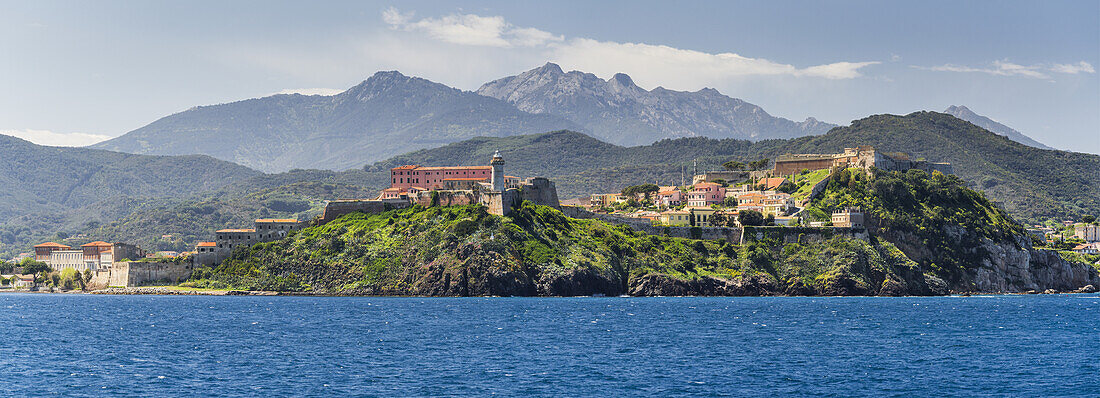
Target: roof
<point>53,244</point>
<point>236,230</point>
<point>773,182</point>
<point>384,190</point>
<point>206,244</point>
<point>96,243</point>
<point>406,167</point>
<point>667,192</point>
<point>276,220</point>
<point>441,168</point>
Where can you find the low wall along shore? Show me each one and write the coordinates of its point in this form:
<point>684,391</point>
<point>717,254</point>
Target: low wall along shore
<point>729,234</point>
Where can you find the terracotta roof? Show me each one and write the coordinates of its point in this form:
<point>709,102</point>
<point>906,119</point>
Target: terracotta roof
<point>444,168</point>
<point>667,192</point>
<point>406,167</point>
<point>236,230</point>
<point>773,182</point>
<point>96,243</point>
<point>53,244</point>
<point>276,220</point>
<point>389,190</point>
<point>206,244</point>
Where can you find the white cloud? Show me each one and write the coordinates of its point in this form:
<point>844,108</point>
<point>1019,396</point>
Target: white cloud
<point>607,57</point>
<point>310,91</point>
<point>470,29</point>
<point>1005,68</point>
<point>661,64</point>
<point>46,137</point>
<point>1073,69</point>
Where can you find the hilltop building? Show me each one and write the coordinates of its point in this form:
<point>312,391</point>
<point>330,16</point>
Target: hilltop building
<point>1087,232</point>
<point>850,217</point>
<point>705,194</point>
<point>91,256</point>
<point>453,186</point>
<point>864,157</point>
<point>409,180</point>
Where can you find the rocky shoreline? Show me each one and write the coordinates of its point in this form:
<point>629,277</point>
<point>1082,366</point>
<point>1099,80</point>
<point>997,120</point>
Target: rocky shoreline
<point>712,289</point>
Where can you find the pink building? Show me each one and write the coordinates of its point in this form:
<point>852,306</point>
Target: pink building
<point>706,194</point>
<point>670,198</point>
<point>409,176</point>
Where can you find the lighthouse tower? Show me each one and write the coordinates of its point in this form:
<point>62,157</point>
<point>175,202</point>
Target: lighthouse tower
<point>498,172</point>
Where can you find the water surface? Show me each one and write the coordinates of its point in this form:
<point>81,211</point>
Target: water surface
<point>335,346</point>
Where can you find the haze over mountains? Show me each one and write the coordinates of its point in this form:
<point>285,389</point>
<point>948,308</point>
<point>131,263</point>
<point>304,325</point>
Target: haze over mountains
<point>385,115</point>
<point>390,114</point>
<point>620,112</point>
<point>964,113</point>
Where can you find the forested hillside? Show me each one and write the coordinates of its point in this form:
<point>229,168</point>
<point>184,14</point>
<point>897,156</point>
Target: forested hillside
<point>1032,183</point>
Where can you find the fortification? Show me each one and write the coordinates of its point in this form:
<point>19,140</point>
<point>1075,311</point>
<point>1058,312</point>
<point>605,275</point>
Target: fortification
<point>863,157</point>
<point>132,273</point>
<point>337,208</point>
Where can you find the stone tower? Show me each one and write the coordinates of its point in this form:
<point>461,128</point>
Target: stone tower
<point>498,172</point>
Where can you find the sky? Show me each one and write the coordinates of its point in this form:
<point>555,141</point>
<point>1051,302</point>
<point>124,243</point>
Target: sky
<point>74,73</point>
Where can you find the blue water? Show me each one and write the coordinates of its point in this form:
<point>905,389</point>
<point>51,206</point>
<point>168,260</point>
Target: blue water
<point>76,345</point>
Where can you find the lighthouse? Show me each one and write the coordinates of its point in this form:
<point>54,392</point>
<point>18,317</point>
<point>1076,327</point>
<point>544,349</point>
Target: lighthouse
<point>497,178</point>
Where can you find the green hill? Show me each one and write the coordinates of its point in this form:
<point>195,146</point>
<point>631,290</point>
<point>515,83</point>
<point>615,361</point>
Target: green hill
<point>464,251</point>
<point>1034,184</point>
<point>925,235</point>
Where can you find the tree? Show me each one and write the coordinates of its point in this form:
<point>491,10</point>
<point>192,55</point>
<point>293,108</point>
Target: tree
<point>759,164</point>
<point>750,218</point>
<point>721,182</point>
<point>733,165</point>
<point>6,266</point>
<point>1088,219</point>
<point>644,189</point>
<point>32,267</point>
<point>769,220</point>
<point>787,187</point>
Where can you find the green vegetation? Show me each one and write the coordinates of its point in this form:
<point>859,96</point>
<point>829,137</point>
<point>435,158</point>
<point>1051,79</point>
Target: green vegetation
<point>463,250</point>
<point>937,213</point>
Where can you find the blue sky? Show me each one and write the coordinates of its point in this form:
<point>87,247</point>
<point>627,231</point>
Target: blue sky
<point>77,72</point>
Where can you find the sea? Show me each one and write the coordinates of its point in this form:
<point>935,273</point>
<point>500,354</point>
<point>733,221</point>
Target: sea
<point>978,346</point>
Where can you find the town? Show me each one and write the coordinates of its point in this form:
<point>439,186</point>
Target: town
<point>716,203</point>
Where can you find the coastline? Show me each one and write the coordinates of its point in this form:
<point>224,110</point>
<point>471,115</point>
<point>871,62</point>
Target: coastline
<point>176,291</point>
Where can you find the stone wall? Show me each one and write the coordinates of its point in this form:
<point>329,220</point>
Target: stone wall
<point>730,234</point>
<point>801,235</point>
<point>130,274</point>
<point>541,191</point>
<point>337,208</point>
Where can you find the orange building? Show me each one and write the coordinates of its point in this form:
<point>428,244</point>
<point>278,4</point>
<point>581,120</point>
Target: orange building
<point>42,252</point>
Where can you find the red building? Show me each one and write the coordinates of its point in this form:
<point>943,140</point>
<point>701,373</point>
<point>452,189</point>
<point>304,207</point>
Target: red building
<point>431,178</point>
<point>42,251</point>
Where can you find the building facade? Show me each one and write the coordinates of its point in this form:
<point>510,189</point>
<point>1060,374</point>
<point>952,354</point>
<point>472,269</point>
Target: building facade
<point>850,217</point>
<point>1087,232</point>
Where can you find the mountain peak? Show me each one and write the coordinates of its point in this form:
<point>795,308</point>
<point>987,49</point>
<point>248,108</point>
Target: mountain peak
<point>957,109</point>
<point>623,80</point>
<point>550,68</point>
<point>964,113</point>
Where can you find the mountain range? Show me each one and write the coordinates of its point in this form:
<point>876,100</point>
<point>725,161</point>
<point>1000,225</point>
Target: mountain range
<point>385,115</point>
<point>964,113</point>
<point>168,202</point>
<point>620,112</point>
<point>390,114</point>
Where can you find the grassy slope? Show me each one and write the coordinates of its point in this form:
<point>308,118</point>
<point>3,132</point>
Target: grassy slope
<point>538,251</point>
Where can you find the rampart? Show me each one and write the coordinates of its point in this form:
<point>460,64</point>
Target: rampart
<point>131,273</point>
